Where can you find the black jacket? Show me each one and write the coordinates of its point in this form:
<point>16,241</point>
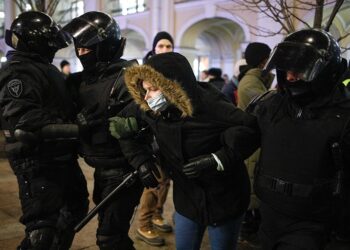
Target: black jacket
<point>297,149</point>
<point>103,88</point>
<point>33,94</point>
<point>199,121</point>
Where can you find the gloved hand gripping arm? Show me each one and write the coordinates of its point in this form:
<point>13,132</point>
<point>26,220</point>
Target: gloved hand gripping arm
<point>196,165</point>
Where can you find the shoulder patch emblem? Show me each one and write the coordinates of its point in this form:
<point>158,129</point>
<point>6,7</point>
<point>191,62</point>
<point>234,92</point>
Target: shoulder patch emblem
<point>15,87</point>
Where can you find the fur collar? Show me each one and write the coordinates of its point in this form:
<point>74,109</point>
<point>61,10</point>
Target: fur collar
<point>172,90</point>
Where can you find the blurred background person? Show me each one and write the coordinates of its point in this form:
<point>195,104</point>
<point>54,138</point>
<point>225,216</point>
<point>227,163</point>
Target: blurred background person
<point>65,68</point>
<point>214,75</point>
<point>204,77</point>
<point>162,42</point>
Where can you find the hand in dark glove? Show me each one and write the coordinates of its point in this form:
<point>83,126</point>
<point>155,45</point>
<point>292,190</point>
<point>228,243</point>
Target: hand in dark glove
<point>87,118</point>
<point>196,165</point>
<point>148,173</point>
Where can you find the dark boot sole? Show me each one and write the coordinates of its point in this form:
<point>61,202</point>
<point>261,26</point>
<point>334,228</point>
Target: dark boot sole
<point>162,229</point>
<point>148,241</point>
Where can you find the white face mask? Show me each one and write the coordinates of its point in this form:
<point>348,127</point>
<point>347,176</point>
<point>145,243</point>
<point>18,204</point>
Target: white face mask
<point>158,103</point>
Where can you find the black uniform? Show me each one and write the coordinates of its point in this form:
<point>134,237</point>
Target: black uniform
<point>102,94</point>
<point>297,171</point>
<point>103,152</point>
<point>302,174</point>
<point>52,188</point>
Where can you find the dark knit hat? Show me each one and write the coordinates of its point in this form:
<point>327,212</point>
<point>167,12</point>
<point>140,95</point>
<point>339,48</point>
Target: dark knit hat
<point>64,63</point>
<point>255,53</point>
<point>216,72</point>
<point>162,35</point>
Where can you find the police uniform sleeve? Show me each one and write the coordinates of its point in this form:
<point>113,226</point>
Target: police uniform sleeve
<point>241,134</point>
<point>22,103</point>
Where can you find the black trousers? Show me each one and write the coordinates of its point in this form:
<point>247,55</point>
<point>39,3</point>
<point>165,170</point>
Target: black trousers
<point>281,232</point>
<point>114,218</point>
<point>52,194</point>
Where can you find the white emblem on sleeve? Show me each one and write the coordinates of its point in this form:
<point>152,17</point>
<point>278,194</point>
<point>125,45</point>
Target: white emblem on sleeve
<point>15,87</point>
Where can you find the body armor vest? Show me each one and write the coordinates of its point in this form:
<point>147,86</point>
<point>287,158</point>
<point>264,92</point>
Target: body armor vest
<point>297,171</point>
<point>110,94</point>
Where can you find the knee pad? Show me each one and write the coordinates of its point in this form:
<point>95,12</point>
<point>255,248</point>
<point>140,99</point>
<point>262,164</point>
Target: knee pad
<point>42,238</point>
<point>65,231</point>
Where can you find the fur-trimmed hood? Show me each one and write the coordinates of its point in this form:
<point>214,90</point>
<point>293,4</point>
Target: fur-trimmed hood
<point>172,74</point>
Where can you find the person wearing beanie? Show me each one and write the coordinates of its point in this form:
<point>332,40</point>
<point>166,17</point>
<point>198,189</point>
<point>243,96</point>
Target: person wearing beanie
<point>163,42</point>
<point>252,83</point>
<point>201,149</point>
<point>152,200</point>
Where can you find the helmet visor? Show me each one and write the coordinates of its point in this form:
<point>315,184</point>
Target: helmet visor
<point>85,33</point>
<point>61,39</point>
<point>303,59</point>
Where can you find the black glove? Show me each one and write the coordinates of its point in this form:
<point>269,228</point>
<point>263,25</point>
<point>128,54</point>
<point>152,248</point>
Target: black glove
<point>196,165</point>
<point>87,118</point>
<point>148,173</point>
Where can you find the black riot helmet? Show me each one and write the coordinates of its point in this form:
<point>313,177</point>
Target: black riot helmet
<point>36,32</point>
<point>313,55</point>
<point>99,32</point>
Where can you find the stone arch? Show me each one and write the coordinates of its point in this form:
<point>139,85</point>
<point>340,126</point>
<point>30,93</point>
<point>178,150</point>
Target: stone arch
<point>219,14</point>
<point>145,37</point>
<point>135,44</point>
<point>212,42</point>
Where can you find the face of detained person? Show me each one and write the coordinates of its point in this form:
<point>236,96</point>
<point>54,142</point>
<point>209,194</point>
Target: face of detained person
<point>163,46</point>
<point>151,91</point>
<point>154,97</point>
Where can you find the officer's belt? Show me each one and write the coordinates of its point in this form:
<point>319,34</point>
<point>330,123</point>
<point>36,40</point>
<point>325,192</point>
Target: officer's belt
<point>292,189</point>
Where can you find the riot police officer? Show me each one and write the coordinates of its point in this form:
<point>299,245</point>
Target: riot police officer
<point>305,142</point>
<point>102,94</point>
<point>34,104</point>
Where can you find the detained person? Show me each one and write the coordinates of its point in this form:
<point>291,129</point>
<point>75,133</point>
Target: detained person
<point>203,140</point>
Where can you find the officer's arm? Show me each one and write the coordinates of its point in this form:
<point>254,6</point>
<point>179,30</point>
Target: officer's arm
<point>50,132</point>
<point>238,143</point>
<point>22,104</point>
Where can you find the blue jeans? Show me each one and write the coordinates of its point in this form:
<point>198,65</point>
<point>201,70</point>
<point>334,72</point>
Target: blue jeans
<point>189,234</point>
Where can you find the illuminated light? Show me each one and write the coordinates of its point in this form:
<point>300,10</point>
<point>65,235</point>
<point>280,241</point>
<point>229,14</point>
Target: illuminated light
<point>3,59</point>
<point>28,7</point>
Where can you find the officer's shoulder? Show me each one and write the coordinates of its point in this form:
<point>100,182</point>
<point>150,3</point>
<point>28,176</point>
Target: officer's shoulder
<point>122,63</point>
<point>75,77</point>
<point>130,63</point>
<point>8,72</point>
<point>261,99</point>
<point>23,68</point>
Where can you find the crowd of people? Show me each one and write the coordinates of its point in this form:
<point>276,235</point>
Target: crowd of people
<point>249,164</point>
